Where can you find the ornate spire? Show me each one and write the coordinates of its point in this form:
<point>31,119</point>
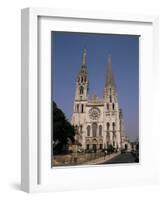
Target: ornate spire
<point>83,73</point>
<point>109,77</point>
<point>83,69</point>
<point>84,61</point>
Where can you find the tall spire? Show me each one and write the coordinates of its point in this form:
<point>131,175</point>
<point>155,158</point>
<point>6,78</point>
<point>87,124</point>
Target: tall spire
<point>109,77</point>
<point>84,61</point>
<point>83,69</point>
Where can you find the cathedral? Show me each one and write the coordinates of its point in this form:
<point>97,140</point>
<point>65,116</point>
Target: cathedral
<point>98,121</point>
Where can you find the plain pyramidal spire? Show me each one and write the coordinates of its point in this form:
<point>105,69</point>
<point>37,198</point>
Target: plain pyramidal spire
<point>109,77</point>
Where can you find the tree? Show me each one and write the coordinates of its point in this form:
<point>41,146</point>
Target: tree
<point>110,149</point>
<point>62,130</point>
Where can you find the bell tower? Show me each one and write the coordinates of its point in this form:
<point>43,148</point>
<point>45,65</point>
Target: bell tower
<point>111,108</point>
<point>82,85</point>
<point>80,101</point>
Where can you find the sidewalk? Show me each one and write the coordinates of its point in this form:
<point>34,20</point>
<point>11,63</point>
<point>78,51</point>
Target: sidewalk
<point>101,159</point>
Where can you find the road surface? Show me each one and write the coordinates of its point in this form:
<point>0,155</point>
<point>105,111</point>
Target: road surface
<point>122,158</point>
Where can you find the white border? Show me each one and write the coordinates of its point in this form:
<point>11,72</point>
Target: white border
<point>36,174</point>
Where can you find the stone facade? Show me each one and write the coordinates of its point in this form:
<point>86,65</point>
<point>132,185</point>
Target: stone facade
<point>98,121</point>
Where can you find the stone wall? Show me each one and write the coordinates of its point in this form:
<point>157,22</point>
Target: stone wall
<point>74,159</point>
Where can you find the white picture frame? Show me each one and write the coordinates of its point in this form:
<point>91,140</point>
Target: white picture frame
<point>36,171</point>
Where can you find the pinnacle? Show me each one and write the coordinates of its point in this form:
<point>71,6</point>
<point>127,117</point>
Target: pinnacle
<point>84,60</point>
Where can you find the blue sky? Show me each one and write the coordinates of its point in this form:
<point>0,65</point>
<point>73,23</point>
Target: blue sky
<point>67,51</point>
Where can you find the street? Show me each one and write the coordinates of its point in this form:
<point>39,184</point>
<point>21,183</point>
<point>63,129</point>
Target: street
<point>122,158</point>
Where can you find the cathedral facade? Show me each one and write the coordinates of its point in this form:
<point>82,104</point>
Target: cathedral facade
<point>98,120</point>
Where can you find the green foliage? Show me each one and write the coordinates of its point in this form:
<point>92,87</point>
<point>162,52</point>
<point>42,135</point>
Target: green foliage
<point>110,149</point>
<point>62,130</point>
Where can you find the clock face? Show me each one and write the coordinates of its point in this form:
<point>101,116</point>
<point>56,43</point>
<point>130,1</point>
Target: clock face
<point>94,113</point>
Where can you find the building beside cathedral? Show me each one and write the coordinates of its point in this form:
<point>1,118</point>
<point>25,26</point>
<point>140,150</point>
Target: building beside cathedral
<point>98,120</point>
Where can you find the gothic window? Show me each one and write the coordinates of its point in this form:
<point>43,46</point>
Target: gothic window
<point>94,129</point>
<point>107,106</point>
<point>87,146</point>
<point>113,106</point>
<point>77,106</point>
<point>107,126</point>
<point>81,128</point>
<point>100,146</point>
<point>110,99</point>
<point>113,124</point>
<point>100,130</point>
<point>82,108</point>
<point>88,130</point>
<point>81,89</point>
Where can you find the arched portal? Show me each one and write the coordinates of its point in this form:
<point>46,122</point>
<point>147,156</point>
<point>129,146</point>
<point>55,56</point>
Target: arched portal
<point>87,144</point>
<point>94,145</point>
<point>100,144</point>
